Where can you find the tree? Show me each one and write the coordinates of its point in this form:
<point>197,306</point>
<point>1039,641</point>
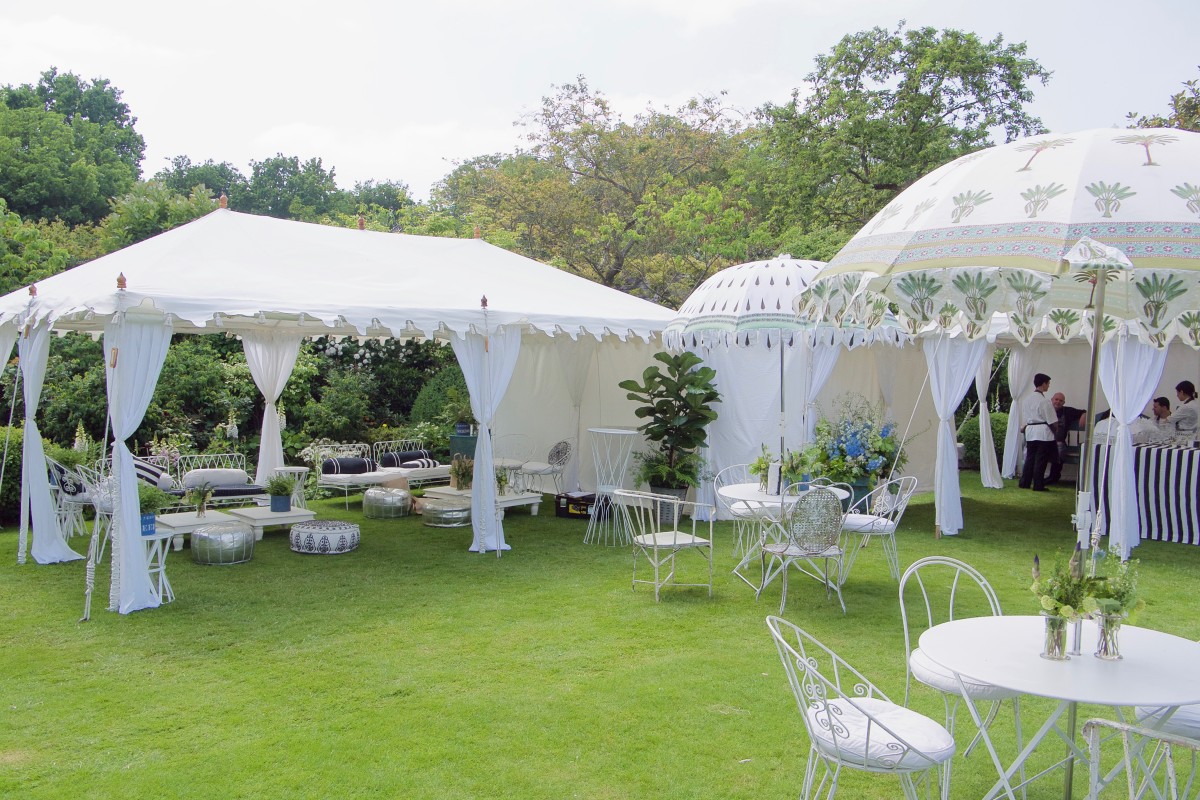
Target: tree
<point>284,187</point>
<point>593,193</point>
<point>66,147</point>
<point>95,101</point>
<point>26,254</point>
<point>1184,111</point>
<point>148,209</point>
<point>883,109</point>
<point>183,176</point>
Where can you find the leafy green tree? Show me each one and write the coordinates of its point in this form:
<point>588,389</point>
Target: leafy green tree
<point>880,110</point>
<point>1184,111</point>
<point>150,208</point>
<point>344,410</point>
<point>26,254</point>
<point>96,101</point>
<point>183,177</point>
<point>284,187</point>
<point>66,147</point>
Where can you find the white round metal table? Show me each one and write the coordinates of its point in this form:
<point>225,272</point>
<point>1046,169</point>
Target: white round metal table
<point>1156,669</point>
<point>611,449</point>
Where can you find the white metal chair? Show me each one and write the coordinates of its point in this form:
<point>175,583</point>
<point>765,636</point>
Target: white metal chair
<point>877,516</point>
<point>657,526</point>
<point>944,589</point>
<point>70,498</point>
<point>1157,763</point>
<point>811,533</point>
<point>554,465</point>
<point>852,724</point>
<point>511,452</point>
<point>746,518</point>
<point>99,494</point>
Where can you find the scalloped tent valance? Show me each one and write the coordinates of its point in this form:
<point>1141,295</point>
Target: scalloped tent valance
<point>232,272</point>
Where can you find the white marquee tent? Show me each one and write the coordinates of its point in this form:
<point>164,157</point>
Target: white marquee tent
<point>275,282</point>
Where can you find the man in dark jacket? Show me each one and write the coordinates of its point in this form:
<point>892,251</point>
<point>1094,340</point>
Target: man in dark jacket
<point>1069,419</point>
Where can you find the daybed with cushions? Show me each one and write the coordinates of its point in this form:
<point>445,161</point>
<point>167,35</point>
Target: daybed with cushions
<point>224,472</point>
<point>358,466</point>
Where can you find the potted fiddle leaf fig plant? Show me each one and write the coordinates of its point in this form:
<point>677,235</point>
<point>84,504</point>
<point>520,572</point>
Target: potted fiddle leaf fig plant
<point>677,400</point>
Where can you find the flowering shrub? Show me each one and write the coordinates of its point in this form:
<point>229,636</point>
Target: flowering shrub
<point>858,444</point>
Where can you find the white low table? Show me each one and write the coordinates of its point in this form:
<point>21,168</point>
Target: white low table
<point>180,522</point>
<point>259,517</point>
<point>503,501</point>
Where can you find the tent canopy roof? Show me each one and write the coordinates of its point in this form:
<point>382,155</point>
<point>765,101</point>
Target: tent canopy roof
<point>234,272</point>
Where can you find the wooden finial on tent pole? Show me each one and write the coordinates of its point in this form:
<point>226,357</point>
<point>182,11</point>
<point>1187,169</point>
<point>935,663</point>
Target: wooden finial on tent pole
<point>223,200</point>
<point>121,283</point>
<point>112,360</point>
<point>33,290</point>
<point>483,301</point>
<point>362,222</point>
<point>478,233</point>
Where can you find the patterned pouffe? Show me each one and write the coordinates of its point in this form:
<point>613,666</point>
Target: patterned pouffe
<point>324,536</point>
<point>223,543</point>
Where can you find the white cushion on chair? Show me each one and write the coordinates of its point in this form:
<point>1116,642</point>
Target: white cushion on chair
<point>917,730</point>
<point>1184,722</point>
<point>867,523</point>
<point>670,538</point>
<point>539,468</point>
<point>938,677</point>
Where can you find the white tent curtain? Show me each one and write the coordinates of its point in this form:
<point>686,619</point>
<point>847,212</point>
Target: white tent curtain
<point>820,356</point>
<point>576,359</point>
<point>134,354</point>
<point>1129,373</point>
<point>989,471</point>
<point>271,357</point>
<point>8,338</point>
<point>952,366</point>
<point>1021,363</point>
<point>48,547</point>
<point>487,363</point>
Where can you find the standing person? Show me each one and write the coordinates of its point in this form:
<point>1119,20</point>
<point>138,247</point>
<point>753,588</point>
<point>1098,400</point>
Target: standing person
<point>1067,417</point>
<point>1039,420</point>
<point>1185,416</point>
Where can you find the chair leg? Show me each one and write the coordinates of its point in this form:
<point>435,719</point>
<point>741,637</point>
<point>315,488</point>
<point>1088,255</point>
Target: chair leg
<point>783,599</point>
<point>892,555</point>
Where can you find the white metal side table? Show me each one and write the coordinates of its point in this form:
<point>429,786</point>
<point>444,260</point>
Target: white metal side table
<point>611,448</point>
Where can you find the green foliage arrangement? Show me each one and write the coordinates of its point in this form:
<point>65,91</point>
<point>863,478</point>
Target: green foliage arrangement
<point>859,444</point>
<point>1063,592</point>
<point>280,485</point>
<point>677,407</point>
<point>151,499</point>
<point>462,472</point>
<point>1116,590</point>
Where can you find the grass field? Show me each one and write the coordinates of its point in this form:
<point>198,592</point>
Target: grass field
<point>413,668</point>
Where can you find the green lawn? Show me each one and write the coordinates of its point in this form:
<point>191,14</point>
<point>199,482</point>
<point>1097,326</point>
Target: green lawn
<point>413,668</point>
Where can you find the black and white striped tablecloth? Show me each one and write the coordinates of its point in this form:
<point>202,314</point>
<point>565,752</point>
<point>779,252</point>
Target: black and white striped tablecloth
<point>1168,491</point>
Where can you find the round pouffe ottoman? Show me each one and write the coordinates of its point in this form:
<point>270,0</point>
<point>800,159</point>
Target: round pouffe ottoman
<point>387,503</point>
<point>223,543</point>
<point>446,513</point>
<point>324,537</point>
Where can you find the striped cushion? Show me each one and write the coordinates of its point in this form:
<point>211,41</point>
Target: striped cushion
<point>393,460</point>
<point>347,466</point>
<point>421,463</point>
<point>151,474</point>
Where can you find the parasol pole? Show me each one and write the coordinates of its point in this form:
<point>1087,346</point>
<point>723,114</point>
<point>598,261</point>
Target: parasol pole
<point>1090,254</point>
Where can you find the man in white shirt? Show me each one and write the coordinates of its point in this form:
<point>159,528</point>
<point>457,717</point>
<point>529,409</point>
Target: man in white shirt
<point>1038,422</point>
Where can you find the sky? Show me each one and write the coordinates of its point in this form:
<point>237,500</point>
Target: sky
<point>403,91</point>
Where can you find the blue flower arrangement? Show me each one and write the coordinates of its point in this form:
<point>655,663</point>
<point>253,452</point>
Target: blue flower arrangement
<point>859,444</point>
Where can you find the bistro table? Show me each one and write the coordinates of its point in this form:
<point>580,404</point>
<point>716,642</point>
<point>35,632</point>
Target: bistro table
<point>1157,670</point>
<point>767,508</point>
